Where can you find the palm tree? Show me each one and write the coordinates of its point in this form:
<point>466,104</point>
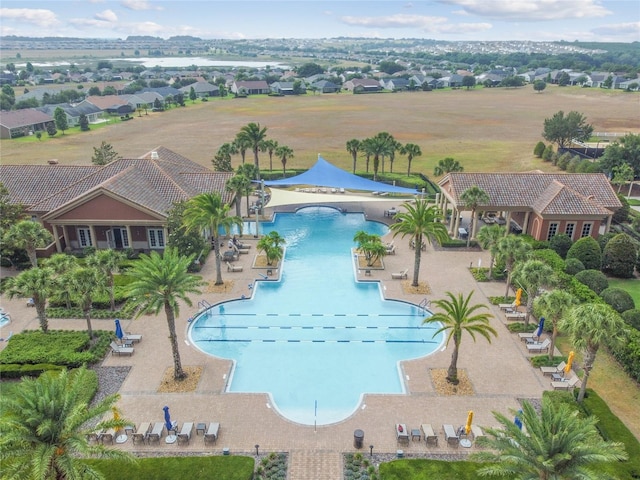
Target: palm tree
<point>207,213</point>
<point>240,185</point>
<point>532,276</point>
<point>447,165</point>
<point>370,245</point>
<point>555,444</point>
<point>376,147</point>
<point>589,326</point>
<point>555,305</point>
<point>366,151</point>
<point>241,145</point>
<point>284,153</point>
<point>85,283</point>
<point>62,264</point>
<point>473,197</point>
<point>271,245</point>
<point>396,146</point>
<point>390,146</point>
<point>411,150</point>
<point>160,282</point>
<point>109,262</point>
<point>253,135</point>
<point>512,249</point>
<point>353,147</point>
<point>37,283</point>
<point>489,236</point>
<point>43,431</point>
<point>420,220</point>
<point>29,236</point>
<point>270,146</point>
<point>458,317</point>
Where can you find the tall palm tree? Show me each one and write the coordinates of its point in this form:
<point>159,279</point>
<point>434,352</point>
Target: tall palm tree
<point>240,185</point>
<point>254,135</point>
<point>109,262</point>
<point>29,236</point>
<point>365,149</point>
<point>284,153</point>
<point>271,245</point>
<point>207,213</point>
<point>377,147</point>
<point>37,283</point>
<point>489,236</point>
<point>557,444</point>
<point>512,249</point>
<point>390,146</point>
<point>353,147</point>
<point>43,431</point>
<point>159,283</point>
<point>589,326</point>
<point>270,147</point>
<point>473,197</point>
<point>447,165</point>
<point>532,276</point>
<point>396,147</point>
<point>62,264</point>
<point>411,150</point>
<point>458,317</point>
<point>420,220</point>
<point>241,144</point>
<point>85,283</point>
<point>555,305</point>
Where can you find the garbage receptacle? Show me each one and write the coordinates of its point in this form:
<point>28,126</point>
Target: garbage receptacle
<point>358,438</point>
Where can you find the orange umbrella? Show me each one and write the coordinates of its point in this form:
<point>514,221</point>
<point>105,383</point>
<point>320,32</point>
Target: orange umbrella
<point>467,427</point>
<point>567,367</point>
<point>116,413</point>
<point>518,297</point>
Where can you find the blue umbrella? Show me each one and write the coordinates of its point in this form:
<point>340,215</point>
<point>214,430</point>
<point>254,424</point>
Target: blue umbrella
<point>119,333</point>
<point>167,418</point>
<point>540,327</point>
<point>517,420</point>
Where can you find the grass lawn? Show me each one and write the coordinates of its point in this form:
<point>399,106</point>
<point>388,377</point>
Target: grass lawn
<point>631,285</point>
<point>420,469</point>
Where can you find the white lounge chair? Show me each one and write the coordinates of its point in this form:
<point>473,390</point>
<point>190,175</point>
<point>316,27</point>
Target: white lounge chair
<point>515,315</point>
<point>551,370</point>
<point>391,249</point>
<point>400,275</point>
<point>233,268</point>
<point>477,432</point>
<point>132,338</point>
<point>451,435</point>
<point>430,438</point>
<point>539,347</point>
<point>565,384</point>
<point>142,433</point>
<point>507,306</point>
<point>156,433</point>
<point>185,432</point>
<point>120,350</point>
<point>211,435</point>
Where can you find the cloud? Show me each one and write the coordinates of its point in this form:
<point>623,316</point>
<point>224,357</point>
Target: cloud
<point>619,29</point>
<point>107,16</point>
<point>427,24</point>
<point>139,5</point>
<point>40,17</point>
<point>531,10</point>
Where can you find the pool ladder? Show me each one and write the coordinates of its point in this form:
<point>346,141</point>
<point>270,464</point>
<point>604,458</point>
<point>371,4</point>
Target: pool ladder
<point>424,305</point>
<point>203,305</point>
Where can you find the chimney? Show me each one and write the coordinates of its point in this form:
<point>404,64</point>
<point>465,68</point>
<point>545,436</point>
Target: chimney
<point>154,155</point>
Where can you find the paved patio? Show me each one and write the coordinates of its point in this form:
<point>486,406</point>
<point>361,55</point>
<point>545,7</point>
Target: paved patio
<point>500,373</point>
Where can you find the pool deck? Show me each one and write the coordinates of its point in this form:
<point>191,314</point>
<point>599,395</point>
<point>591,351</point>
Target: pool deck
<point>499,372</point>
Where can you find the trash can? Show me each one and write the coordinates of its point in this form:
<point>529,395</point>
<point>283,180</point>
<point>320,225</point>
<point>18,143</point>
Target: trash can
<point>358,438</point>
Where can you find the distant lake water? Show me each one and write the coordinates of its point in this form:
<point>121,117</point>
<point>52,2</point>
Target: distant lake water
<point>181,62</point>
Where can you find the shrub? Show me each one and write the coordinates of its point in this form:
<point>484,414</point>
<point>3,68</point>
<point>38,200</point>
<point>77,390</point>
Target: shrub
<point>588,252</point>
<point>619,256</point>
<point>539,149</point>
<point>551,258</point>
<point>594,279</point>
<point>618,299</point>
<point>17,370</point>
<point>573,266</point>
<point>563,161</point>
<point>622,214</point>
<point>628,354</point>
<point>583,293</point>
<point>604,239</point>
<point>632,317</point>
<point>535,244</point>
<point>561,244</point>
<point>547,155</point>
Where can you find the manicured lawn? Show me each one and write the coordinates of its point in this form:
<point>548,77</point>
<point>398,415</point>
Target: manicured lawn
<point>178,468</point>
<point>631,285</point>
<point>419,469</point>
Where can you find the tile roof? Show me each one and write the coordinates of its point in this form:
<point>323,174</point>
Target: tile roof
<point>23,118</point>
<point>545,193</point>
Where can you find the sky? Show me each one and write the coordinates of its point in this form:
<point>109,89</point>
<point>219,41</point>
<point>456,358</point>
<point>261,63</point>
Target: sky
<point>452,20</point>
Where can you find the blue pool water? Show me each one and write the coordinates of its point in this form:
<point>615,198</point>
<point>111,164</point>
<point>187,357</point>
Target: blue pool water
<point>318,339</point>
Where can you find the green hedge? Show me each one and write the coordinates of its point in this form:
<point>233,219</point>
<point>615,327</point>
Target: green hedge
<point>628,354</point>
<point>58,347</point>
<point>17,370</point>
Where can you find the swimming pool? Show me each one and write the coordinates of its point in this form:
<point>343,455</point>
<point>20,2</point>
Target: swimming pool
<point>317,340</point>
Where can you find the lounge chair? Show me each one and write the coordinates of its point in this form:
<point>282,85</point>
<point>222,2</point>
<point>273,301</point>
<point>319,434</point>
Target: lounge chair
<point>141,435</point>
<point>94,437</point>
<point>527,336</point>
<point>402,433</point>
<point>233,268</point>
<point>185,432</point>
<point>539,347</point>
<point>430,438</point>
<point>211,435</point>
<point>156,433</point>
<point>108,436</point>
<point>477,432</point>
<point>507,306</point>
<point>400,275</point>
<point>132,338</point>
<point>451,435</point>
<point>515,315</point>
<point>391,249</point>
<point>551,370</point>
<point>565,384</point>
<point>120,350</point>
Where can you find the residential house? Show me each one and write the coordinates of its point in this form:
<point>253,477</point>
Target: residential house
<point>325,86</point>
<point>395,84</point>
<point>246,87</point>
<point>111,104</point>
<point>121,205</point>
<point>362,85</point>
<point>287,88</point>
<point>18,123</point>
<point>74,112</point>
<point>202,89</point>
<point>539,204</point>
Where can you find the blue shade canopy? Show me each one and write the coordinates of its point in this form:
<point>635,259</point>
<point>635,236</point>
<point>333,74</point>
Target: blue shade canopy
<point>119,333</point>
<point>324,174</point>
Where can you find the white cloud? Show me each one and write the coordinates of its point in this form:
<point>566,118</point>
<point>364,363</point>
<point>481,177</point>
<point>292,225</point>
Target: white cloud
<point>139,5</point>
<point>107,16</point>
<point>430,25</point>
<point>40,17</point>
<point>531,10</point>
<point>632,29</point>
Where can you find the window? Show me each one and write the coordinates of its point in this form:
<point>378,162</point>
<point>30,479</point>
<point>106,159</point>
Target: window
<point>586,229</point>
<point>569,229</point>
<point>156,237</point>
<point>553,230</point>
<point>84,237</point>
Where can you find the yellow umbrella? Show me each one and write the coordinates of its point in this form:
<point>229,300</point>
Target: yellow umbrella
<point>567,367</point>
<point>467,427</point>
<point>116,413</point>
<point>518,297</point>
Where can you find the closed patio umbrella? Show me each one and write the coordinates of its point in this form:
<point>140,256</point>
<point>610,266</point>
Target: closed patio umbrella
<point>119,332</point>
<point>567,367</point>
<point>467,427</point>
<point>171,437</point>
<point>540,327</point>
<point>517,420</point>
<point>518,300</point>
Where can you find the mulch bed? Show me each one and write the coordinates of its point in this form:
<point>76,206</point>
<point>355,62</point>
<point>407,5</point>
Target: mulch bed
<point>189,384</point>
<point>443,387</point>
